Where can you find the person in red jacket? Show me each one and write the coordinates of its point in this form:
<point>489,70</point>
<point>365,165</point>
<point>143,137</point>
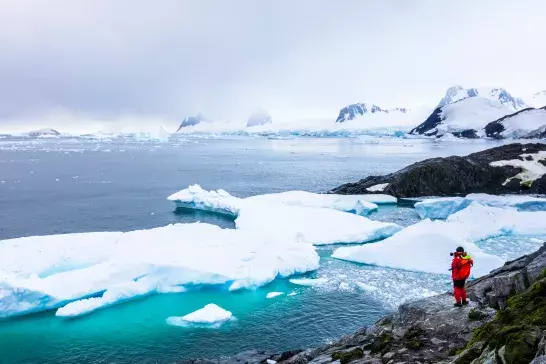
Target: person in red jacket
<point>460,271</point>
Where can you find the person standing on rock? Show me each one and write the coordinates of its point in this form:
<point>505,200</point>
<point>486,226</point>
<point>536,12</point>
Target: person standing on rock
<point>460,271</point>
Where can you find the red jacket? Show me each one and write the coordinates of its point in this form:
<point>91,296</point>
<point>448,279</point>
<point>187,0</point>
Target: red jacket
<point>460,266</point>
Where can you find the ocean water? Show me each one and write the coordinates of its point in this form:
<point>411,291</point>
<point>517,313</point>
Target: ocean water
<point>51,186</point>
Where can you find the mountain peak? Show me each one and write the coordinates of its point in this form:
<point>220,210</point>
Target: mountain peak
<point>458,93</point>
<point>353,111</point>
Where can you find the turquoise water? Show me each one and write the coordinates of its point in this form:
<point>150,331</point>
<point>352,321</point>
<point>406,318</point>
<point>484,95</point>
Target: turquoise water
<point>59,186</point>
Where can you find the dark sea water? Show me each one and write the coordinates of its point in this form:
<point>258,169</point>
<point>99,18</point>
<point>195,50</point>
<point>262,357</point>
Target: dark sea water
<point>73,185</point>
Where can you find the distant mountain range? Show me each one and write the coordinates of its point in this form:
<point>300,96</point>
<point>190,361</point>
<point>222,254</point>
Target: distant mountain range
<point>353,111</point>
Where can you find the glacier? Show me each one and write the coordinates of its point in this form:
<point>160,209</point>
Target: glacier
<point>423,246</point>
<point>211,315</point>
<point>443,207</point>
<point>79,273</point>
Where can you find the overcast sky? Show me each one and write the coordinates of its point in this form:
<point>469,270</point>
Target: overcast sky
<point>226,58</point>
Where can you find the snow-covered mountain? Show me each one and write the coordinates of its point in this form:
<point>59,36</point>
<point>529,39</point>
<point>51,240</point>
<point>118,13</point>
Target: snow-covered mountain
<point>44,132</point>
<point>191,121</point>
<point>457,93</point>
<point>260,117</point>
<point>537,100</point>
<point>353,111</point>
<point>466,112</point>
<point>521,124</point>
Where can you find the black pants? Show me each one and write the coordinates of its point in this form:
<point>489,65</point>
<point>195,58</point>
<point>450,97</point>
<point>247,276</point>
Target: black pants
<point>459,283</point>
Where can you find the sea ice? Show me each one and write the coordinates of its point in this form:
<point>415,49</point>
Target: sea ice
<point>211,315</point>
<point>318,226</point>
<point>111,267</point>
<point>194,197</point>
<point>441,208</point>
<point>308,281</point>
<point>292,294</point>
<point>366,287</point>
<point>274,294</point>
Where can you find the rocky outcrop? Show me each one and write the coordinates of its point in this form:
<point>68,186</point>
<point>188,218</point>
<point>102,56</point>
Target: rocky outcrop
<point>453,175</point>
<point>191,121</point>
<point>433,331</point>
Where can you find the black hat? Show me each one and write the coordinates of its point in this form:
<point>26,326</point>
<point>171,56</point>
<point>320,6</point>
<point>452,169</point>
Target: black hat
<point>460,249</point>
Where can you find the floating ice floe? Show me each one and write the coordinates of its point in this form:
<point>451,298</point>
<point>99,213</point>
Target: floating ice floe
<point>209,316</point>
<point>319,226</point>
<point>441,208</point>
<point>308,281</point>
<point>424,246</point>
<point>87,271</point>
<point>366,287</point>
<point>194,197</point>
<point>274,294</point>
<point>531,166</point>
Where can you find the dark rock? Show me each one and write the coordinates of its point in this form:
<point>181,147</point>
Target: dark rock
<point>453,175</point>
<point>467,134</point>
<point>430,123</point>
<point>539,185</point>
<point>191,121</point>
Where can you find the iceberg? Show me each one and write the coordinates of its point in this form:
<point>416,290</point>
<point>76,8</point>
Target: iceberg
<point>423,247</point>
<point>443,207</point>
<point>209,316</point>
<point>309,282</point>
<point>220,201</point>
<point>274,294</point>
<point>79,273</point>
<point>428,242</point>
<point>319,226</point>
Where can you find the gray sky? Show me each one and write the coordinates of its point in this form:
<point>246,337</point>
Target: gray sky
<point>227,58</point>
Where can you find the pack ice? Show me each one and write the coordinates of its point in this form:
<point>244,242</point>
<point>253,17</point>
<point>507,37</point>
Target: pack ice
<point>83,272</point>
<point>441,208</point>
<point>304,216</point>
<point>424,247</point>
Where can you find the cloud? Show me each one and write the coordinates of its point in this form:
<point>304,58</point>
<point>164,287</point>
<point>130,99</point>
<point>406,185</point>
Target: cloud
<point>227,58</point>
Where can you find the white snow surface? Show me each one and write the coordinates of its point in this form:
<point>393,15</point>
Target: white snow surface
<point>523,123</point>
<point>531,169</point>
<point>318,226</point>
<point>210,315</point>
<point>112,267</point>
<point>441,208</point>
<point>195,197</point>
<point>377,188</point>
<point>471,113</point>
<point>424,247</point>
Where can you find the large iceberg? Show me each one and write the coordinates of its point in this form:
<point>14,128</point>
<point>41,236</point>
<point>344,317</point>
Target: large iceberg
<point>425,246</point>
<point>220,201</point>
<point>441,208</point>
<point>87,271</point>
<point>319,226</point>
<point>209,316</point>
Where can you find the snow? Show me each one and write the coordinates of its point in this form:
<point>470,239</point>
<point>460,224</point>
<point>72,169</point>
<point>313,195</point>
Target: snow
<point>531,169</point>
<point>441,208</point>
<point>458,93</point>
<point>211,315</point>
<point>309,282</point>
<point>292,294</point>
<point>423,247</point>
<point>274,294</point>
<point>523,123</point>
<point>377,188</point>
<point>112,267</point>
<point>195,197</point>
<point>471,113</point>
<point>318,226</point>
<point>538,99</point>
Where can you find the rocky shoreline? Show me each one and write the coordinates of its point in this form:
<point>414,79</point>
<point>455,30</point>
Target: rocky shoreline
<point>455,175</point>
<point>504,323</point>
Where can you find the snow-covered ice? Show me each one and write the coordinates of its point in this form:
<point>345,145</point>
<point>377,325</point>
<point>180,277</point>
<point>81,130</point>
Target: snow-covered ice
<point>377,188</point>
<point>274,294</point>
<point>308,281</point>
<point>209,316</point>
<point>194,197</point>
<point>318,226</point>
<point>111,267</point>
<point>366,287</point>
<point>423,247</point>
<point>441,208</point>
<point>532,169</point>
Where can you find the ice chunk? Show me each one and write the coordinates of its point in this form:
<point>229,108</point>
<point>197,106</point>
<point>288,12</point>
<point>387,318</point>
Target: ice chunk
<point>377,188</point>
<point>441,208</point>
<point>308,281</point>
<point>59,269</point>
<point>194,197</point>
<point>366,287</point>
<point>423,247</point>
<point>211,315</point>
<point>318,226</point>
<point>292,294</point>
<point>344,286</point>
<point>531,166</point>
<point>273,294</point>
